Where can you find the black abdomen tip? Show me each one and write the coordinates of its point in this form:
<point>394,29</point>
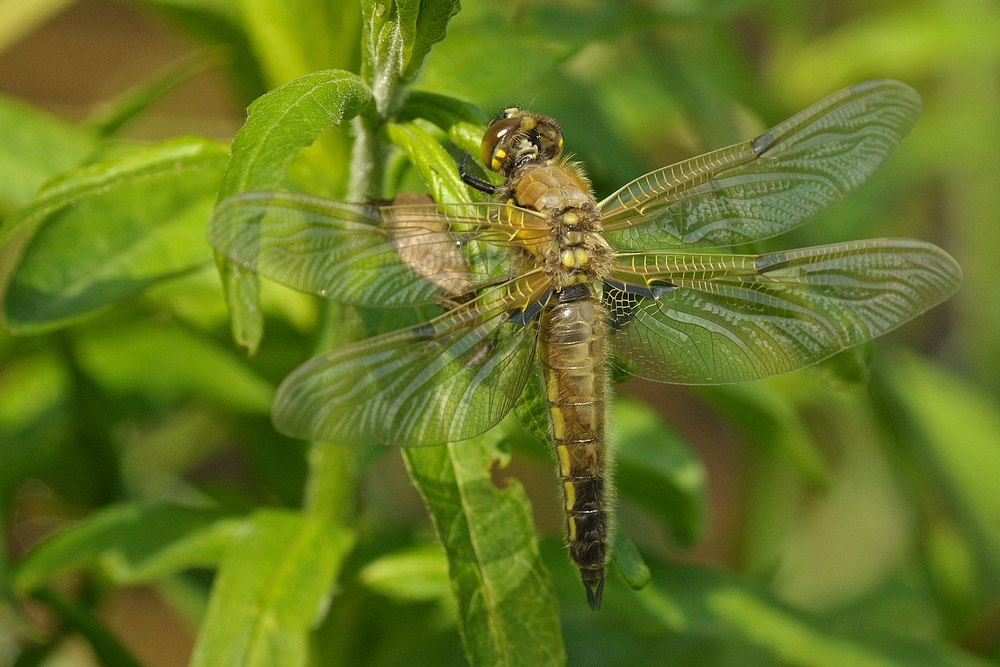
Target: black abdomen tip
<point>594,596</point>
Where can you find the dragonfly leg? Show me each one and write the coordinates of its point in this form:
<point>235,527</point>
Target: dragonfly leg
<point>474,181</point>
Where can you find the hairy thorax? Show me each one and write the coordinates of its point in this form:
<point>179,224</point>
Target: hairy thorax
<point>577,251</point>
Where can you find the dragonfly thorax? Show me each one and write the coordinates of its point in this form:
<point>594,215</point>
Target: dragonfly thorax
<point>578,251</point>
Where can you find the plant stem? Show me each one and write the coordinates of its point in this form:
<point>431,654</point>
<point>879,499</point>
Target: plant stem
<point>333,468</point>
<point>366,160</point>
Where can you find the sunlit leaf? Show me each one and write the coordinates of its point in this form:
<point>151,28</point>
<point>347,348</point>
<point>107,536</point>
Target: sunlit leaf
<point>29,386</point>
<point>287,120</point>
<point>133,221</point>
<point>20,17</point>
<point>273,583</point>
<point>464,122</point>
<point>397,36</point>
<point>35,147</point>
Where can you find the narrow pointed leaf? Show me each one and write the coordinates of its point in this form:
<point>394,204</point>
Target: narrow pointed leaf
<point>111,117</point>
<point>463,121</point>
<point>130,544</point>
<point>629,561</point>
<point>431,161</point>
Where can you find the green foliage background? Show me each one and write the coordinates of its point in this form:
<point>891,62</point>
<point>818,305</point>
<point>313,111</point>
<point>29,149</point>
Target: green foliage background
<point>870,522</point>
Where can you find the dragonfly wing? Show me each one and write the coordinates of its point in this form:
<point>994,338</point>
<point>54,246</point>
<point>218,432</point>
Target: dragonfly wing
<point>446,380</point>
<point>370,255</point>
<point>765,187</point>
<point>713,318</point>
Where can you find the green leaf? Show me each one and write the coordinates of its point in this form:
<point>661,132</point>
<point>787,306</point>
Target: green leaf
<point>34,389</point>
<point>133,222</point>
<point>280,125</point>
<point>417,574</point>
<point>241,289</point>
<point>431,161</point>
<point>107,648</point>
<point>628,559</point>
<point>36,146</point>
<point>506,606</point>
<point>130,544</point>
<point>292,38</point>
<point>477,62</point>
<point>287,120</point>
<point>657,469</point>
<point>769,418</point>
<point>274,581</point>
<point>167,363</point>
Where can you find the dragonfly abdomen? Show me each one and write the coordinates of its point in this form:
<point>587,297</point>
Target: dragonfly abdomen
<point>572,351</point>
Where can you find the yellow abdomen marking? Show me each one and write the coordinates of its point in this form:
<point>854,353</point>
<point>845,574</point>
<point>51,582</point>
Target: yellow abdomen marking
<point>552,388</point>
<point>558,425</point>
<point>572,528</point>
<point>570,495</point>
<point>564,468</point>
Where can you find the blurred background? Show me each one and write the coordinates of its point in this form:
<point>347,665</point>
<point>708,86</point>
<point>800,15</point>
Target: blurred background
<point>864,492</point>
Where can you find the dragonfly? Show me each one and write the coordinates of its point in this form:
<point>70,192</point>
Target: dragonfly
<point>546,279</point>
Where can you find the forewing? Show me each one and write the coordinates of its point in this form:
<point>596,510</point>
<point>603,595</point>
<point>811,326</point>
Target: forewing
<point>446,380</point>
<point>371,255</point>
<point>713,318</point>
<point>767,186</point>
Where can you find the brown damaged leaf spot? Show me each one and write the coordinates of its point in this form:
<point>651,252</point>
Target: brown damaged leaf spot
<point>498,476</point>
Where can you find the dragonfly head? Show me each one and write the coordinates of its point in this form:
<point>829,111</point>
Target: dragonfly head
<point>516,137</point>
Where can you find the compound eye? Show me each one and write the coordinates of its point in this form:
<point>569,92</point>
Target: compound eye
<point>495,146</point>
